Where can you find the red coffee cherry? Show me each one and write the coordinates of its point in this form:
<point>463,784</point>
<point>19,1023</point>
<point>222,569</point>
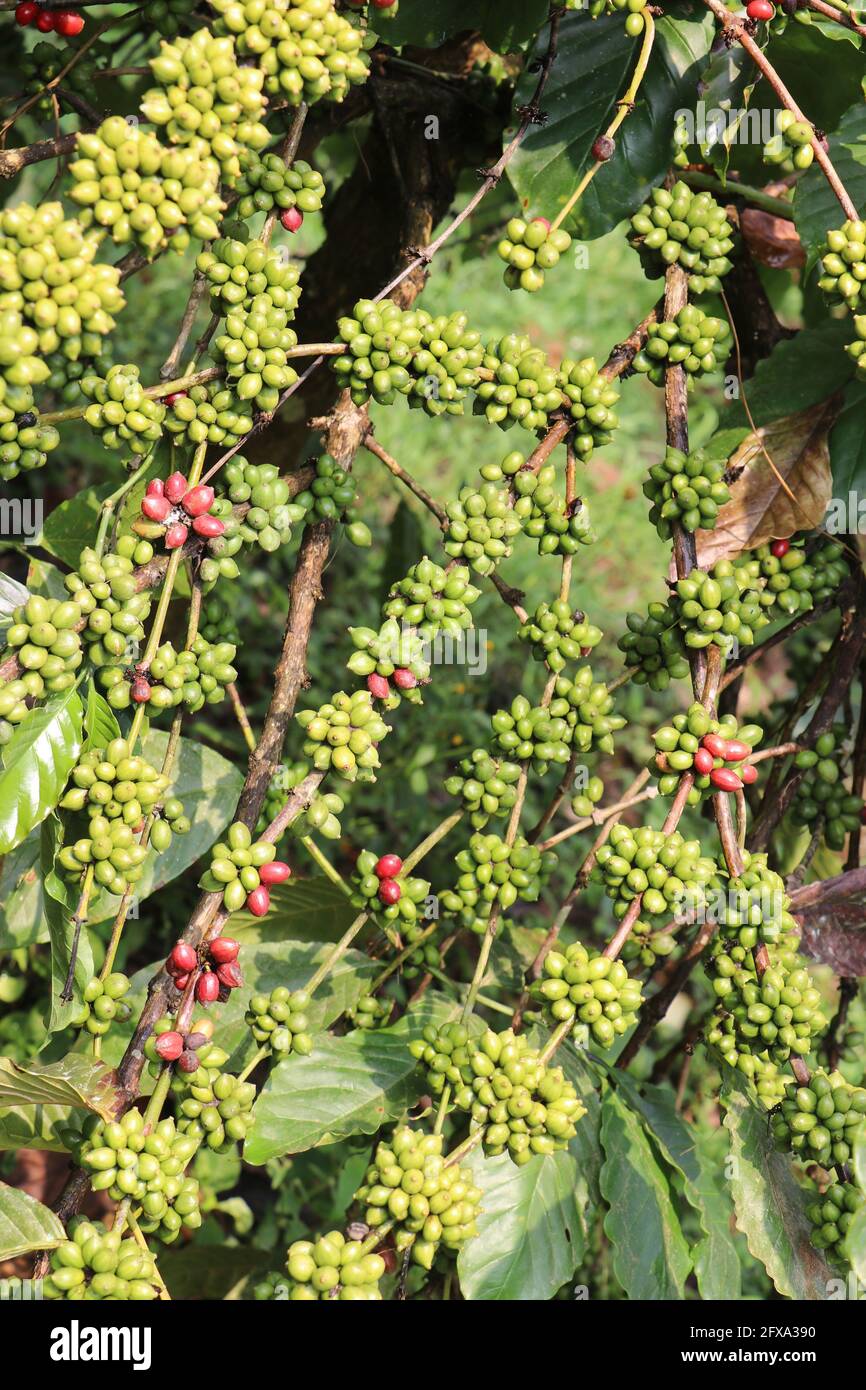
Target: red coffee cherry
<point>749,773</point>
<point>780,548</point>
<point>725,779</point>
<point>155,508</point>
<point>390,891</point>
<point>404,680</point>
<point>223,949</point>
<point>715,744</point>
<point>45,21</point>
<point>187,1061</point>
<point>198,500</point>
<point>291,219</point>
<point>276,872</point>
<point>140,690</point>
<point>207,987</point>
<point>230,974</point>
<point>175,396</point>
<point>378,687</point>
<point>175,487</point>
<point>388,866</point>
<point>182,958</point>
<point>26,13</point>
<point>760,9</point>
<point>176,535</point>
<point>603,148</point>
<point>181,981</point>
<point>259,900</point>
<point>208,526</point>
<point>169,1046</point>
<point>68,23</point>
<point>704,761</point>
<point>736,751</point>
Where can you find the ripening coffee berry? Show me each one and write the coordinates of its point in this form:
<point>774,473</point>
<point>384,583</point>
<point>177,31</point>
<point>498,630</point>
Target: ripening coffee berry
<point>223,949</point>
<point>182,958</point>
<point>258,901</point>
<point>389,891</point>
<point>169,1046</point>
<point>176,535</point>
<point>378,687</point>
<point>780,548</point>
<point>207,987</point>
<point>760,10</point>
<point>292,219</point>
<point>276,872</point>
<point>388,866</point>
<point>174,487</point>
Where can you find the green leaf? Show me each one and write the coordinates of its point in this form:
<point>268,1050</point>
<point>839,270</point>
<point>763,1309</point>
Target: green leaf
<point>855,1244</point>
<point>848,445</point>
<point>770,1206</point>
<point>505,24</point>
<point>26,1224</point>
<point>265,965</point>
<point>303,909</point>
<point>858,1160</point>
<point>33,1127</point>
<point>36,763</point>
<point>816,207</point>
<point>77,1081</point>
<point>22,918</point>
<point>60,902</point>
<point>717,1264</point>
<point>530,1229</point>
<point>800,372</point>
<point>586,1144</point>
<point>350,1085</point>
<point>727,84</point>
<point>593,64</point>
<point>100,724</point>
<point>73,524</point>
<point>650,1254</point>
<point>804,56</point>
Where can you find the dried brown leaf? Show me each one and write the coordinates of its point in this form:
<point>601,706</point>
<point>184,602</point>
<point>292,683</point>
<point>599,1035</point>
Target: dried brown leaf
<point>771,240</point>
<point>760,509</point>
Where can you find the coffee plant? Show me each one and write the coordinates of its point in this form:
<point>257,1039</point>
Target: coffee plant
<point>328,972</point>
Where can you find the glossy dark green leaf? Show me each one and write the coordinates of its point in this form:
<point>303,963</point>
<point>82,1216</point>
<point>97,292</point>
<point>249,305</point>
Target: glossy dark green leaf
<point>26,1224</point>
<point>60,901</point>
<point>36,763</point>
<point>22,921</point>
<point>591,72</point>
<point>73,524</point>
<point>33,1127</point>
<point>848,444</point>
<point>505,24</point>
<point>799,372</point>
<point>770,1206</point>
<point>530,1229</point>
<point>650,1254</point>
<point>303,909</point>
<point>824,68</point>
<point>100,723</point>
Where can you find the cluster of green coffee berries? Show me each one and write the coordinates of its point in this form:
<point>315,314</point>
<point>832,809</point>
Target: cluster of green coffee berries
<point>589,710</point>
<point>857,348</point>
<point>843,265</point>
<point>238,272</point>
<point>333,1268</point>
<point>103,1002</point>
<point>486,784</point>
<point>538,733</point>
<point>529,249</point>
<point>208,413</point>
<point>271,514</point>
<point>597,993</point>
<point>98,1264</point>
<point>681,227</point>
<point>560,529</point>
<point>589,399</point>
<point>790,145</point>
<point>322,816</point>
<point>45,63</point>
<point>653,647</point>
<point>207,99</point>
<point>241,868</point>
<point>43,634</point>
<point>831,1215</point>
<point>427,953</point>
<point>392,351</point>
<point>796,581</point>
<point>647,944</point>
<point>254,348</point>
<point>818,1121</point>
<point>49,276</point>
<point>64,376</point>
<point>370,1012</point>
<point>590,791</point>
<point>482,524</point>
<point>331,496</point>
<point>118,789</point>
<point>520,386</point>
<point>128,420</point>
<point>719,607</point>
<point>754,906</point>
<point>559,634</point>
<point>429,1202</point>
<point>344,734</point>
<point>693,340</point>
<point>821,794</point>
<point>777,1013</point>
<point>24,443</point>
<point>126,181</point>
<point>493,876</point>
<point>668,872</point>
<point>269,182</point>
<point>634,20</point>
<point>524,1106</point>
<point>168,17</point>
<point>216,1107</point>
<point>217,621</point>
<point>307,50</point>
<point>184,1211</point>
<point>105,590</point>
<point>20,367</point>
<point>126,1161</point>
<point>686,491</point>
<point>713,749</point>
<point>280,1020</point>
<point>433,600</point>
<point>380,885</point>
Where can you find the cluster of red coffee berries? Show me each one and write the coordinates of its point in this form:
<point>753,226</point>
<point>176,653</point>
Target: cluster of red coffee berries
<point>380,689</point>
<point>731,750</point>
<point>183,1047</point>
<point>175,505</point>
<point>760,10</point>
<point>65,22</point>
<point>220,973</point>
<point>387,870</point>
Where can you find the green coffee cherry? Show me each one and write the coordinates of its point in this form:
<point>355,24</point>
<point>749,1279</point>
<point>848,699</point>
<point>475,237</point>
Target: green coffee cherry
<point>831,1214</point>
<point>686,492</point>
<point>371,1012</point>
<point>822,797</point>
<point>653,646</point>
<point>819,1120</point>
<point>271,515</point>
<point>481,526</point>
<point>790,146</point>
<point>843,263</point>
<point>794,580</point>
<point>128,421</point>
<point>529,249</point>
<point>589,713</point>
<point>125,1161</point>
<point>537,734</point>
<point>486,784</point>
<point>331,497</point>
<point>105,590</point>
<point>333,1268</point>
<point>524,387</point>
<point>193,677</point>
<point>679,226</point>
<point>558,635</point>
<point>597,993</point>
<point>589,398</point>
<point>234,866</point>
<point>280,1020</point>
<point>433,600</point>
<point>209,413</point>
<point>754,906</point>
<point>584,802</point>
<point>559,528</point>
<point>718,606</point>
<point>103,1002</point>
<point>772,1017</point>
<point>44,636</point>
<point>98,1264</point>
<point>344,734</point>
<point>428,1202</point>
